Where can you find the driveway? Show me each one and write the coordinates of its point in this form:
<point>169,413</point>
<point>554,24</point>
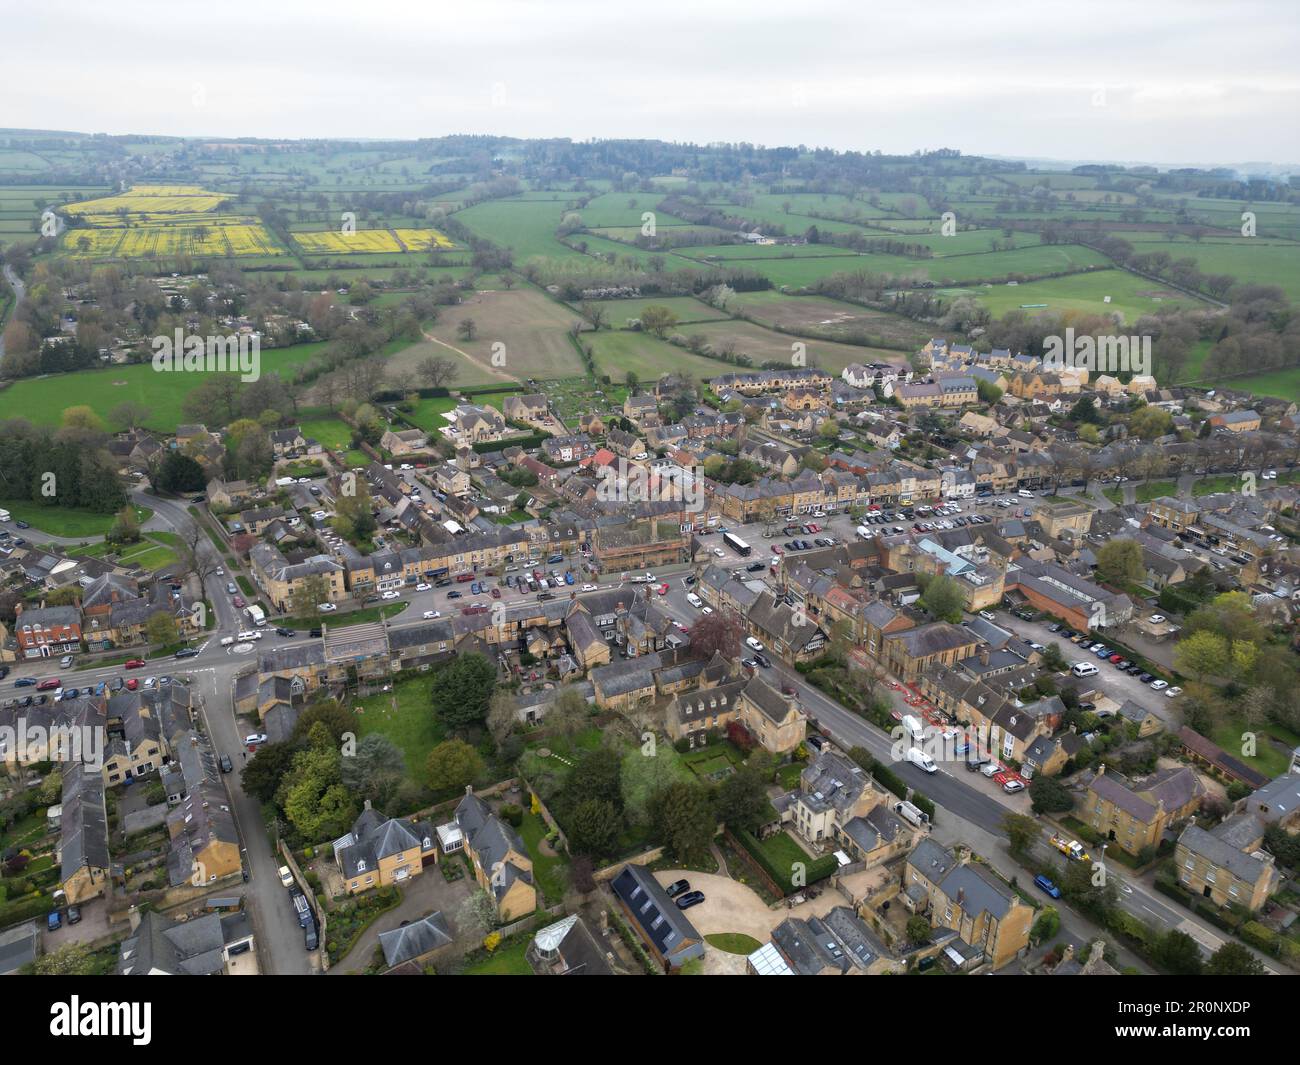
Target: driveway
<point>420,897</point>
<point>730,906</point>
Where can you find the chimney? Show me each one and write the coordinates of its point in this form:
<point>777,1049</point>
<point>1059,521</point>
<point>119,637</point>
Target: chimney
<point>367,804</point>
<point>134,916</point>
<point>984,657</point>
<point>1101,769</point>
<point>962,853</point>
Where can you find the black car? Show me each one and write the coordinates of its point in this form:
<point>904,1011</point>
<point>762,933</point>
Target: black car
<point>4,672</point>
<point>445,582</point>
<point>690,578</point>
<point>754,567</point>
<point>816,742</point>
<point>762,660</point>
<point>1134,670</point>
<point>1055,626</point>
<point>315,634</point>
<point>74,914</point>
<point>187,652</point>
<point>691,898</point>
<point>455,595</point>
<point>22,525</point>
<point>678,888</point>
<point>1146,678</point>
<point>227,766</point>
<point>309,937</point>
<point>282,631</point>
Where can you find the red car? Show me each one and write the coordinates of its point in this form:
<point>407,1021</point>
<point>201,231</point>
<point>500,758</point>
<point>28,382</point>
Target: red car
<point>135,663</point>
<point>814,528</point>
<point>1114,658</point>
<point>461,578</point>
<point>777,549</point>
<point>496,593</point>
<point>132,684</point>
<point>239,601</point>
<point>49,684</point>
<point>663,588</point>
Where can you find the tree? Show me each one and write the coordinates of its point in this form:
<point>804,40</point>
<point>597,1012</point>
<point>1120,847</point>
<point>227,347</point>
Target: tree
<point>82,417</point>
<point>1022,833</point>
<point>593,827</point>
<point>918,930</point>
<point>1048,795</point>
<point>264,771</point>
<point>943,598</point>
<point>718,633</point>
<point>462,689</point>
<point>683,819</point>
<point>71,959</point>
<point>312,795</point>
<point>1053,659</point>
<point>477,914</point>
<point>657,319</point>
<point>597,775</point>
<point>1201,654</point>
<point>1120,562</point>
<point>376,770</point>
<point>129,415</point>
<point>1178,953</point>
<point>502,715</point>
<point>1047,925</point>
<point>1147,423</point>
<point>125,528</point>
<point>466,329</point>
<point>568,712</point>
<point>160,629</point>
<point>178,472</point>
<point>452,764</point>
<point>643,776</point>
<point>1234,959</point>
<point>742,802</point>
<point>437,371</point>
<point>307,595</point>
<point>337,719</point>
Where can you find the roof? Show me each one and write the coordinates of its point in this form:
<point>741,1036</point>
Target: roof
<point>416,939</point>
<point>657,917</point>
<point>1223,855</point>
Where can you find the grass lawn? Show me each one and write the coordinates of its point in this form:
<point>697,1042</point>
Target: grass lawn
<point>332,433</point>
<point>66,521</point>
<point>507,961</point>
<point>1269,759</point>
<point>1209,485</point>
<point>411,725</point>
<point>548,870</point>
<point>1150,490</point>
<point>734,942</point>
<point>151,553</point>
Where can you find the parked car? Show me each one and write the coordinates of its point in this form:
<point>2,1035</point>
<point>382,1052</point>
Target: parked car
<point>227,766</point>
<point>135,663</point>
<point>1045,884</point>
<point>24,682</point>
<point>432,615</point>
<point>422,587</point>
<point>54,921</point>
<point>922,760</point>
<point>691,898</point>
<point>1172,692</point>
<point>678,888</point>
<point>1013,786</point>
<point>65,661</point>
<point>74,915</point>
<point>1159,685</point>
<point>390,595</point>
<point>282,631</point>
<point>254,738</point>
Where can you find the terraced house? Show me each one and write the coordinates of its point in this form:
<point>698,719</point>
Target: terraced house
<point>283,580</point>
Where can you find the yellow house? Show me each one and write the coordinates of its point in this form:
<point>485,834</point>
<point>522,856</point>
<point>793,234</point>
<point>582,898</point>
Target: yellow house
<point>381,850</point>
<point>963,895</point>
<point>502,865</point>
<point>1134,817</point>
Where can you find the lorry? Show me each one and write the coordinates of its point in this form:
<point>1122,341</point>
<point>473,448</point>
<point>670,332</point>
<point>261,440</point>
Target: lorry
<point>256,615</point>
<point>1071,848</point>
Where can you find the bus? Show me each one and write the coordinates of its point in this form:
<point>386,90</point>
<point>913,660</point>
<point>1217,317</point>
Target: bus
<point>736,544</point>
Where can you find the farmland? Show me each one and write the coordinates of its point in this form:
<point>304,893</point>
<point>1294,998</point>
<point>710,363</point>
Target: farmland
<point>1130,296</point>
<point>150,242</point>
<point>332,242</point>
<point>150,200</point>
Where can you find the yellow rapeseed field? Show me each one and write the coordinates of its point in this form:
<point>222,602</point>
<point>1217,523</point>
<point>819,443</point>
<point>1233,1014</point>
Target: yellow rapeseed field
<point>150,199</point>
<point>371,241</point>
<point>141,242</point>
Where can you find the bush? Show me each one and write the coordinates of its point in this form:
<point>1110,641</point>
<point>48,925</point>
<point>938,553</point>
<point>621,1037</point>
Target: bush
<point>512,814</point>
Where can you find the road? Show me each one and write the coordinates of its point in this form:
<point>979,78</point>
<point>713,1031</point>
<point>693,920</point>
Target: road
<point>20,291</point>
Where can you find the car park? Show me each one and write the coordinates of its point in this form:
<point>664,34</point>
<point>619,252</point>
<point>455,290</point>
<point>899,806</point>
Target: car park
<point>1173,691</point>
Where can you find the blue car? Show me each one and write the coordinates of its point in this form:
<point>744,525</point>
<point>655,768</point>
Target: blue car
<point>568,578</point>
<point>24,682</point>
<point>54,921</point>
<point>101,687</point>
<point>1047,886</point>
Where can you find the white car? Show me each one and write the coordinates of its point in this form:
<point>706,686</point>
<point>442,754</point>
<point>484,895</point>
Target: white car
<point>422,587</point>
<point>922,760</point>
<point>326,608</point>
<point>1156,619</point>
<point>753,643</point>
<point>719,552</point>
<point>1159,685</point>
<point>589,588</point>
<point>390,595</point>
<point>706,610</point>
<point>407,466</point>
<point>248,635</point>
<point>286,877</point>
<point>988,615</point>
<point>254,738</point>
<point>430,615</point>
<point>1172,692</point>
<point>694,600</point>
<point>221,571</point>
<point>149,682</point>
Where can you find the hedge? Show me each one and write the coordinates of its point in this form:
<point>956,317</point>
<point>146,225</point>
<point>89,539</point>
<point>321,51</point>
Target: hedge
<point>527,442</point>
<point>817,868</point>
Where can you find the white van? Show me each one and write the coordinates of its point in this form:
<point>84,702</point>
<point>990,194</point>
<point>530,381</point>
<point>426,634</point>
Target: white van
<point>694,600</point>
<point>864,533</point>
<point>919,758</point>
<point>1084,669</point>
<point>1025,494</point>
<point>911,813</point>
<point>913,727</point>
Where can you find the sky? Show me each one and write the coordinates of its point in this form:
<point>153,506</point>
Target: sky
<point>1160,81</point>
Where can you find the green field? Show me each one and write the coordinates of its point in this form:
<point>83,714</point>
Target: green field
<point>70,522</point>
<point>687,309</point>
<point>764,345</point>
<point>618,352</point>
<point>525,226</point>
<point>42,400</point>
<point>332,433</point>
<point>1130,296</point>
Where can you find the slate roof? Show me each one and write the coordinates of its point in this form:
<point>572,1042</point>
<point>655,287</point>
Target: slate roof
<point>413,940</point>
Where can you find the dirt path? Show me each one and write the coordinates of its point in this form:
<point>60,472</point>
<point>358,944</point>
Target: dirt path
<point>493,370</point>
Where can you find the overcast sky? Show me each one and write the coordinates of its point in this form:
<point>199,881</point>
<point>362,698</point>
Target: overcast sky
<point>1164,81</point>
